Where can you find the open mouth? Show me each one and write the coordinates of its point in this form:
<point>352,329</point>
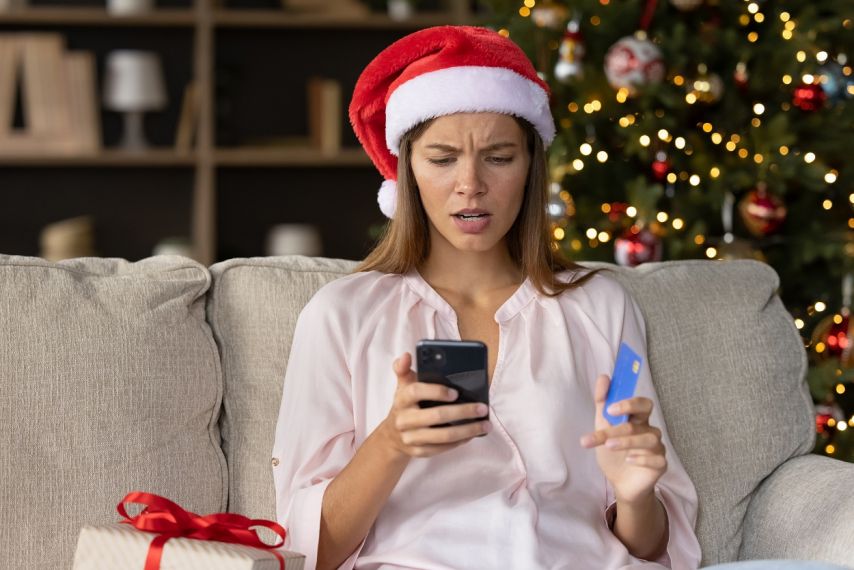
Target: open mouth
<point>470,217</point>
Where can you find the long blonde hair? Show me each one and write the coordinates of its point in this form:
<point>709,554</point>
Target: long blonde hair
<point>405,242</point>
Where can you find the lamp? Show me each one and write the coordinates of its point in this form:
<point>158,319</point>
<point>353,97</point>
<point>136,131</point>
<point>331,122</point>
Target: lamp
<point>133,85</point>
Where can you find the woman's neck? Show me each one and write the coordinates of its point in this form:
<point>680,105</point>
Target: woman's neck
<point>470,272</point>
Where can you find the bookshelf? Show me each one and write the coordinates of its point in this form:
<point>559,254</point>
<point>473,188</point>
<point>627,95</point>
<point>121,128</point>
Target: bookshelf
<point>229,187</point>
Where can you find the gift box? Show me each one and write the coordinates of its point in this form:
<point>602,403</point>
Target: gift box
<point>166,537</point>
<point>120,546</point>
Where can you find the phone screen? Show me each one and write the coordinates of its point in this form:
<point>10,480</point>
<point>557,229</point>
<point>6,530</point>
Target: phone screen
<point>458,364</point>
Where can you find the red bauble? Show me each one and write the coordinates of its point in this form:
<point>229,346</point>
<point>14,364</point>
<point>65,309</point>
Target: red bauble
<point>636,246</point>
<point>762,212</point>
<point>660,168</point>
<point>836,337</point>
<point>809,97</point>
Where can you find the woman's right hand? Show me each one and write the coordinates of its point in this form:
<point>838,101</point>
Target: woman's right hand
<point>407,426</point>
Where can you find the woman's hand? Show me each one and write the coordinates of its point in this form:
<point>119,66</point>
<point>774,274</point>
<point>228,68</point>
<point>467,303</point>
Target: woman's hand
<point>631,454</point>
<point>407,426</point>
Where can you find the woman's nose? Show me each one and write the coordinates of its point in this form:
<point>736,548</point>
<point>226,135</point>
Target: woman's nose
<point>468,178</point>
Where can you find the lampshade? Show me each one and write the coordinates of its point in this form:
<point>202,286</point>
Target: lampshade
<point>134,81</point>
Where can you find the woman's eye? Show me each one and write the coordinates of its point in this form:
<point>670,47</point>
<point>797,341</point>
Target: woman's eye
<point>440,161</point>
<point>501,159</point>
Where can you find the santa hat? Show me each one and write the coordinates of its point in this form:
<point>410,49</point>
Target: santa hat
<point>440,71</point>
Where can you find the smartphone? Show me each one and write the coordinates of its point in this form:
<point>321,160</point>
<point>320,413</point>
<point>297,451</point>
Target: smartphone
<point>458,364</point>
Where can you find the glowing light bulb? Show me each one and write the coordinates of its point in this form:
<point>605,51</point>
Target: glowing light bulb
<point>809,157</point>
<point>644,140</point>
<point>758,108</point>
<point>601,156</point>
<point>585,149</point>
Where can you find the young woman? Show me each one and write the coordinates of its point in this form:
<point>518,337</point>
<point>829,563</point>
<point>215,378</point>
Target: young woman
<point>457,121</point>
<point>458,116</point>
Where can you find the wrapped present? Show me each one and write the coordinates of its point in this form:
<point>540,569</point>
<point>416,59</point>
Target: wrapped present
<point>166,537</point>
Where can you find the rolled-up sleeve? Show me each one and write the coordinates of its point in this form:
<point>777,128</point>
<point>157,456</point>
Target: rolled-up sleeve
<point>314,438</point>
<point>674,489</point>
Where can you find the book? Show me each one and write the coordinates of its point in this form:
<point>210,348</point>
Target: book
<point>324,114</point>
<point>185,133</point>
<point>82,101</point>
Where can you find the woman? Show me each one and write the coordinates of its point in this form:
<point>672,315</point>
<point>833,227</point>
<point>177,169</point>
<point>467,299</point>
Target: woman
<point>457,121</point>
<point>467,255</point>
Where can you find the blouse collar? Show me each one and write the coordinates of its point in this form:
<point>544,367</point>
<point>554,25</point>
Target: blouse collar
<point>510,308</point>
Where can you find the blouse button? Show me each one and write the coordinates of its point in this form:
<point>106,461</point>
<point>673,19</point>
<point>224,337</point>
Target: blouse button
<point>275,462</point>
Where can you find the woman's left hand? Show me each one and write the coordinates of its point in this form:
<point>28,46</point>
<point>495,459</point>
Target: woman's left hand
<point>631,454</point>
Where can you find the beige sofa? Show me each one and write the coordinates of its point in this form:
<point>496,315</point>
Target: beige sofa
<point>165,376</point>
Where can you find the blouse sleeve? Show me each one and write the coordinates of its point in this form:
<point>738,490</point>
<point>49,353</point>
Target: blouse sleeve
<point>674,489</point>
<point>315,430</point>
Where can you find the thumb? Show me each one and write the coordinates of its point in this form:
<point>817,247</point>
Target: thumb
<point>402,367</point>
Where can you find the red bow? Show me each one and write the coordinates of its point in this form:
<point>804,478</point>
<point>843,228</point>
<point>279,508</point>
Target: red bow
<point>169,520</point>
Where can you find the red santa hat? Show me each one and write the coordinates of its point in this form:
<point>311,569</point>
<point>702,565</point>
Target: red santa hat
<point>440,71</point>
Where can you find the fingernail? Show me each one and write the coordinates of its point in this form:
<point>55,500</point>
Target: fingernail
<point>631,459</point>
<point>612,443</point>
<point>487,427</point>
<point>613,409</point>
<point>586,440</point>
<point>482,409</point>
<point>452,394</point>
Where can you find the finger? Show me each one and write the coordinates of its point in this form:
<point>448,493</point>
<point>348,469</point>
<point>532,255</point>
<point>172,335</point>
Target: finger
<point>652,461</point>
<point>600,436</point>
<point>638,408</point>
<point>600,392</point>
<point>444,436</point>
<point>402,367</point>
<point>644,441</point>
<point>418,391</point>
<point>415,418</point>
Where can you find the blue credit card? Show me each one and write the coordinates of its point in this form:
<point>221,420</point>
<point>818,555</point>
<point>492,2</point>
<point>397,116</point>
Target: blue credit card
<point>626,371</point>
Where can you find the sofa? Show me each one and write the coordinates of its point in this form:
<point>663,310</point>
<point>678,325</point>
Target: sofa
<point>164,375</point>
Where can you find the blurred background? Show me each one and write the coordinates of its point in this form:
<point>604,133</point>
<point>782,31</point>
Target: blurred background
<point>703,129</point>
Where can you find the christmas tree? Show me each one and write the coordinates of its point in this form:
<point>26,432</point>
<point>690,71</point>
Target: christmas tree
<point>709,129</point>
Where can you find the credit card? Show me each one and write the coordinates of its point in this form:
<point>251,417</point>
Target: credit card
<point>626,371</point>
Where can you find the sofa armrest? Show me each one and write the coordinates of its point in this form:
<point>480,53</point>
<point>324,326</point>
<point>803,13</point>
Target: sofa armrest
<point>803,510</point>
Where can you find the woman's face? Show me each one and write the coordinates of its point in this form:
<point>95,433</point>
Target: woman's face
<point>471,170</point>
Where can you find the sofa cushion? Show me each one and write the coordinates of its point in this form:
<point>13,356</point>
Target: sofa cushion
<point>109,382</point>
<point>726,359</point>
<point>252,308</point>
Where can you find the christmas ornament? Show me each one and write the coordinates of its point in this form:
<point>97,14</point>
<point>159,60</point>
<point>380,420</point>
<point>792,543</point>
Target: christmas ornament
<point>633,62</point>
<point>560,206</point>
<point>740,76</point>
<point>808,97</point>
<point>835,332</point>
<point>686,5</point>
<point>835,84</point>
<point>617,210</point>
<point>549,14</point>
<point>637,245</point>
<point>706,87</point>
<point>729,246</point>
<point>570,53</point>
<point>660,166</point>
<point>761,211</point>
<point>826,412</point>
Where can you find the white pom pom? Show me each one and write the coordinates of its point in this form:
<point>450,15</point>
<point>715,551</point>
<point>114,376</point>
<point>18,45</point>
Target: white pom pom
<point>387,197</point>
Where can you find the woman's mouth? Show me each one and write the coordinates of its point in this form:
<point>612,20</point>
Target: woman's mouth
<point>472,223</point>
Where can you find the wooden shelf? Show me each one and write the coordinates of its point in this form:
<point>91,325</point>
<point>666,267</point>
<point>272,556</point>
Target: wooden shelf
<point>230,18</point>
<point>288,156</point>
<point>108,157</point>
<point>96,17</point>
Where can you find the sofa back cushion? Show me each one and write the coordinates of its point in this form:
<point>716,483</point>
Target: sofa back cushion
<point>726,359</point>
<point>109,382</point>
<point>252,308</point>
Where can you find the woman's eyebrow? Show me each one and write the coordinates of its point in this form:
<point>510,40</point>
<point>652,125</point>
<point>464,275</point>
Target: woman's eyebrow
<point>449,148</point>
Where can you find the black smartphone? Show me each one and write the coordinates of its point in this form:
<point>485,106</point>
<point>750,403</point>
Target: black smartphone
<point>458,364</point>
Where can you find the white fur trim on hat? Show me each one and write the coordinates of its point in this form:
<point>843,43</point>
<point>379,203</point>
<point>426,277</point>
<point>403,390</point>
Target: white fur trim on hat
<point>387,198</point>
<point>466,89</point>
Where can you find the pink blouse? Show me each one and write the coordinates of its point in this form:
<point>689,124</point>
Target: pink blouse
<point>525,496</point>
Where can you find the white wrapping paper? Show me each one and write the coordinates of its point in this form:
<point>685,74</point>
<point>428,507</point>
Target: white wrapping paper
<point>122,547</point>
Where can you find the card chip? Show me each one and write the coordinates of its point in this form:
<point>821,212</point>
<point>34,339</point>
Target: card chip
<point>636,366</point>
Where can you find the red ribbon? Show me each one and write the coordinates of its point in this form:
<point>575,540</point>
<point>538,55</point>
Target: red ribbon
<point>169,520</point>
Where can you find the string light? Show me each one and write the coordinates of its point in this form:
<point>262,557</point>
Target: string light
<point>809,157</point>
<point>784,16</point>
<point>604,237</point>
<point>591,233</point>
<point>690,98</point>
<point>662,217</point>
<point>715,172</point>
<point>678,80</point>
<point>742,153</point>
<point>711,253</point>
<point>717,138</point>
<point>631,211</point>
<point>524,11</point>
<point>707,127</point>
<point>840,388</point>
<point>827,204</point>
<point>585,149</point>
<point>755,122</point>
<point>601,156</point>
<point>694,180</point>
<point>752,37</point>
<point>784,150</point>
<point>801,56</point>
<point>758,158</point>
<point>808,78</point>
<point>559,234</point>
<point>787,34</point>
<point>758,108</point>
<point>644,140</point>
<point>663,134</point>
<point>830,177</point>
<point>799,323</point>
<point>699,239</point>
<point>820,306</point>
<point>787,79</point>
<point>821,56</point>
<point>530,3</point>
<point>679,143</point>
<point>753,7</point>
<point>730,146</point>
<point>622,95</point>
<point>678,224</point>
<point>578,164</point>
<point>671,177</point>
